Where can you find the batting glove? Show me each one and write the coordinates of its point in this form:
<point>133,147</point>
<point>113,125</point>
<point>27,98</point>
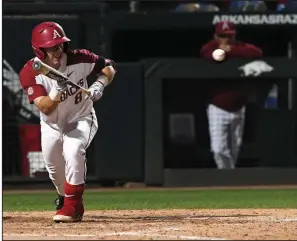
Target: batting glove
<point>58,90</point>
<point>96,91</point>
<point>61,86</point>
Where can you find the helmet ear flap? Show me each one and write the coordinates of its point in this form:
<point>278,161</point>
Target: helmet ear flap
<point>38,52</point>
<point>42,50</point>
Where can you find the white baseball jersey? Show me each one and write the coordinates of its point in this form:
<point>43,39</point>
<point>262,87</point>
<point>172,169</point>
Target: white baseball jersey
<point>77,65</point>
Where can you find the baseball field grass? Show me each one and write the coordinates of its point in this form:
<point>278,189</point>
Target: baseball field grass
<point>159,199</point>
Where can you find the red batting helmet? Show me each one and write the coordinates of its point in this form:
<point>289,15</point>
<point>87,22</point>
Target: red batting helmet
<point>46,35</point>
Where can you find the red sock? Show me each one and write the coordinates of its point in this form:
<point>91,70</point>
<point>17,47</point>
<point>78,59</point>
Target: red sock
<point>73,194</point>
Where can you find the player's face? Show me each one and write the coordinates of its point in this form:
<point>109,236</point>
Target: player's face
<point>225,38</point>
<point>54,55</point>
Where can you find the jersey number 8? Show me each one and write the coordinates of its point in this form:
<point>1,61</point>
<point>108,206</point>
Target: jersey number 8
<point>78,97</point>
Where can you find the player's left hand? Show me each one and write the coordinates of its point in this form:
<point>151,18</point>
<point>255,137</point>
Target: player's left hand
<point>96,91</point>
<point>61,86</point>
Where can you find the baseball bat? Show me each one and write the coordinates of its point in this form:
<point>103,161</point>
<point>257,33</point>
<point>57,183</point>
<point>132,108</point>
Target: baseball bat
<point>52,73</point>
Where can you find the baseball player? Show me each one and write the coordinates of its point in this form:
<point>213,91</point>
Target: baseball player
<point>68,120</point>
<point>226,110</point>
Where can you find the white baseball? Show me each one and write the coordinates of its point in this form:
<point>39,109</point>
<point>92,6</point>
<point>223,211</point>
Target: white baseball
<point>218,54</point>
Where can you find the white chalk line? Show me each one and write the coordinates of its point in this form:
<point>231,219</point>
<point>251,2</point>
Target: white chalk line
<point>285,220</point>
<point>138,233</point>
<point>257,218</point>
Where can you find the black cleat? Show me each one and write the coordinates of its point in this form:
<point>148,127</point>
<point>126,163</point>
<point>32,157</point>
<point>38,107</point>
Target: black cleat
<point>59,202</point>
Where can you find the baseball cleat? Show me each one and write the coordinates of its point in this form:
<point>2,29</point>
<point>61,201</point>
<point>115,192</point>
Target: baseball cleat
<point>73,208</point>
<point>59,218</point>
<point>69,214</point>
<point>59,202</point>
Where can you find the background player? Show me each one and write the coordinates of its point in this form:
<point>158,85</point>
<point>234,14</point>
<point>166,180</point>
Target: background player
<point>226,110</point>
<point>68,119</point>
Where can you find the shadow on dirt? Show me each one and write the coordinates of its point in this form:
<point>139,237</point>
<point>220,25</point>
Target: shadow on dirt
<point>214,218</point>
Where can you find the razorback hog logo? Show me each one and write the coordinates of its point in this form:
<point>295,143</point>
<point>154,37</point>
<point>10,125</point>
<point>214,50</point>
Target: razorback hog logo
<point>255,68</point>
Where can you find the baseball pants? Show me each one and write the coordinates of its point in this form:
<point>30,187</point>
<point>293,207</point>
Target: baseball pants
<point>65,154</point>
<point>226,131</point>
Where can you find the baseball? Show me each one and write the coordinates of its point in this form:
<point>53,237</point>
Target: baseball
<point>218,54</point>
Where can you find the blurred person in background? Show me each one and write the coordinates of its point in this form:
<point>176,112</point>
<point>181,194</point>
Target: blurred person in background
<point>286,5</point>
<point>247,6</point>
<point>226,109</point>
<point>11,159</point>
<point>197,6</point>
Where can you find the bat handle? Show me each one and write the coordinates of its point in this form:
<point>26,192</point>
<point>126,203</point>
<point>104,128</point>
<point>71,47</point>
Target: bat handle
<point>88,93</point>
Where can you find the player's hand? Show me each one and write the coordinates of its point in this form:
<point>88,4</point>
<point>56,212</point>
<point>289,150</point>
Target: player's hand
<point>61,86</point>
<point>96,91</point>
<point>225,47</point>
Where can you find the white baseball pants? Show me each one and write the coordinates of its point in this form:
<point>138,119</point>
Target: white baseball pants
<point>226,131</point>
<point>65,154</point>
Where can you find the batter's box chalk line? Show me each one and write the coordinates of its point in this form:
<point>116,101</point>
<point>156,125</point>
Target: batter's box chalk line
<point>285,220</point>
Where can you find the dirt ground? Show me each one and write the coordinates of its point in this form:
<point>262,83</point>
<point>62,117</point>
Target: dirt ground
<point>215,224</point>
